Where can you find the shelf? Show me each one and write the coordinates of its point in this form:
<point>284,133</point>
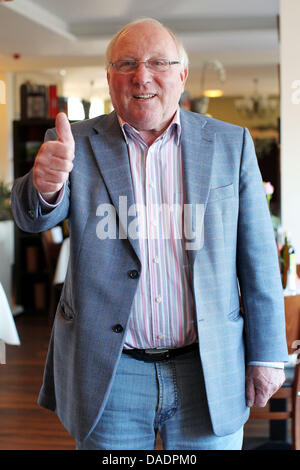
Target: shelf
<point>30,273</point>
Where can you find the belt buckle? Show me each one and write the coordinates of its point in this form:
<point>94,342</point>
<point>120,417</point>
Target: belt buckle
<point>153,352</point>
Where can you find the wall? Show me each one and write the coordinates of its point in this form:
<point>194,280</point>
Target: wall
<point>260,128</point>
<point>224,109</point>
<point>6,175</point>
<point>290,119</point>
<point>4,140</point>
<point>6,137</point>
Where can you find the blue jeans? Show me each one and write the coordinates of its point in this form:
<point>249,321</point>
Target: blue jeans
<point>168,397</point>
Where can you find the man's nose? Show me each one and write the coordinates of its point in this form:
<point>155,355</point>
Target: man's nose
<point>142,73</point>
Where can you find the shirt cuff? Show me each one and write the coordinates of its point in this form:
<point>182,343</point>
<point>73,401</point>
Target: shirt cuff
<point>276,365</point>
<point>47,205</point>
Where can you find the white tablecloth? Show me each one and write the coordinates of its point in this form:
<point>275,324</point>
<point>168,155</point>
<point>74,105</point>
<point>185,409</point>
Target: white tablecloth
<point>8,331</point>
<point>62,262</point>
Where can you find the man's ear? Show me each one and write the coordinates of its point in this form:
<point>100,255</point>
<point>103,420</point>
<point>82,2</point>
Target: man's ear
<point>183,75</point>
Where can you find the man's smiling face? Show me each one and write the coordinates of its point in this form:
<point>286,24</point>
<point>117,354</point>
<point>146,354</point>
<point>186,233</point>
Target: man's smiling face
<point>146,100</point>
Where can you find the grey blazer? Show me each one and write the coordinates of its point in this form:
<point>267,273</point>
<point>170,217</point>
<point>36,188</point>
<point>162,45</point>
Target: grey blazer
<point>238,257</point>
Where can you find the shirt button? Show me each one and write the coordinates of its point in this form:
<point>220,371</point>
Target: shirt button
<point>154,222</point>
<point>133,274</point>
<point>158,299</point>
<point>117,328</point>
<point>160,336</point>
<point>151,185</point>
<point>156,260</point>
<point>31,213</point>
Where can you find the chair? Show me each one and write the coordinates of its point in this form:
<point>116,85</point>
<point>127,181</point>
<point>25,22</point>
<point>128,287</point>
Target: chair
<point>290,390</point>
<point>51,252</point>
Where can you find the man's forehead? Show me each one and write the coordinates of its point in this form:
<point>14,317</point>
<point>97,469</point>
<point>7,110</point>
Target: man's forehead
<point>154,38</point>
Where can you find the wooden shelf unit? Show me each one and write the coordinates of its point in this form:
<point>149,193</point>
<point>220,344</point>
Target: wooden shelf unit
<point>30,276</point>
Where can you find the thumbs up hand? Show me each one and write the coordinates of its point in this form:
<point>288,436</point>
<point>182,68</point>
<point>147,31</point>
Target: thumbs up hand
<point>54,160</point>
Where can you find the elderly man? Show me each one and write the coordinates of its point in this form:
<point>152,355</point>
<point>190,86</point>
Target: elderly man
<point>149,334</point>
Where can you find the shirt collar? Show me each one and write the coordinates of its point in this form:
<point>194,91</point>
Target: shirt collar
<point>174,126</point>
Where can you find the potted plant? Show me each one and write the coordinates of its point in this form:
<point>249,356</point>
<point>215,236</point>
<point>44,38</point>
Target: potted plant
<point>5,211</point>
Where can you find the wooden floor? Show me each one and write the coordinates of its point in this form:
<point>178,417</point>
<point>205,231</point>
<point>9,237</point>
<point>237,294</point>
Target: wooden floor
<point>24,425</point>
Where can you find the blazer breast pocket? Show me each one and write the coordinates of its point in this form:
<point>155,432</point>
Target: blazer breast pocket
<point>223,192</point>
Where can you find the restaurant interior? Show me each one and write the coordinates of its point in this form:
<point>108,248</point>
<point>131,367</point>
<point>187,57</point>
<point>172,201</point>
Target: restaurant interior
<point>243,69</point>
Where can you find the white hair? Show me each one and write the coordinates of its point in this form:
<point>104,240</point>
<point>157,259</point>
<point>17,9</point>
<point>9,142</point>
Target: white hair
<point>182,55</point>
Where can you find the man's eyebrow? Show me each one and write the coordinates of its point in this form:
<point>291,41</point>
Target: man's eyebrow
<point>129,56</point>
<point>155,55</point>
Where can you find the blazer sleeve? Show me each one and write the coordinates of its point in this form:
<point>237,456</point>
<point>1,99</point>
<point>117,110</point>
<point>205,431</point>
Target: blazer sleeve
<point>258,266</point>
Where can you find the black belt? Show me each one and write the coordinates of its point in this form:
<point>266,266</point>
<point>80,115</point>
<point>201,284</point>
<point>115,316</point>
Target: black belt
<point>157,355</point>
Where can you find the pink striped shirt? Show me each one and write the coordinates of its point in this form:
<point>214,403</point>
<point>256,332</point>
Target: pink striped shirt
<point>163,311</point>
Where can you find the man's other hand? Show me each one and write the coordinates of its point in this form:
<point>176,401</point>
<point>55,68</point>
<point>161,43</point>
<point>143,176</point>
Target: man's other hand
<point>261,383</point>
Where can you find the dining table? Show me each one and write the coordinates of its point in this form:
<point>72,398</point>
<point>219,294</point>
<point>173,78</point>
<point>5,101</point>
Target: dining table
<point>8,330</point>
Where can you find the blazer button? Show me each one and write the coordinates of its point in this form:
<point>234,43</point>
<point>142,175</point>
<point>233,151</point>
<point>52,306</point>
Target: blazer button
<point>117,328</point>
<point>133,274</point>
<point>31,213</point>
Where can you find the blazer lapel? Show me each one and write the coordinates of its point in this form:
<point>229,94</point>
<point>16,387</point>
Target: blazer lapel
<point>197,161</point>
<point>111,153</point>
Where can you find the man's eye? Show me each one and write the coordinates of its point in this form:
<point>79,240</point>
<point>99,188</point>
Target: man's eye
<point>127,63</point>
<point>158,62</point>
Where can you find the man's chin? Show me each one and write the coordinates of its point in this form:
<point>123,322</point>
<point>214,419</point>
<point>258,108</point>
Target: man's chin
<point>144,123</point>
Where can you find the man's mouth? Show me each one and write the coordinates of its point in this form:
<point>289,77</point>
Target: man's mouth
<point>145,96</point>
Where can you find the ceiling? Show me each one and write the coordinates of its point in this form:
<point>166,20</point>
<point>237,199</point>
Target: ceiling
<point>72,35</point>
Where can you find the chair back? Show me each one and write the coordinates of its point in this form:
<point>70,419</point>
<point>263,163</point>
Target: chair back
<point>292,318</point>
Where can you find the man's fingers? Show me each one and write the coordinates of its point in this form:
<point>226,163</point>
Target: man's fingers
<point>60,164</point>
<point>63,130</point>
<point>261,399</point>
<point>257,392</point>
<point>58,149</point>
<point>250,392</point>
<point>261,383</point>
<point>53,162</point>
<point>51,175</point>
<point>255,396</point>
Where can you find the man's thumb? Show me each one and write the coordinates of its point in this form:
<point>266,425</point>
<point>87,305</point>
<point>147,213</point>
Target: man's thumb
<point>63,129</point>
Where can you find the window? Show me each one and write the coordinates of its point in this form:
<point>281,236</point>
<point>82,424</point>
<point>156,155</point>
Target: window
<point>97,108</point>
<point>75,109</point>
